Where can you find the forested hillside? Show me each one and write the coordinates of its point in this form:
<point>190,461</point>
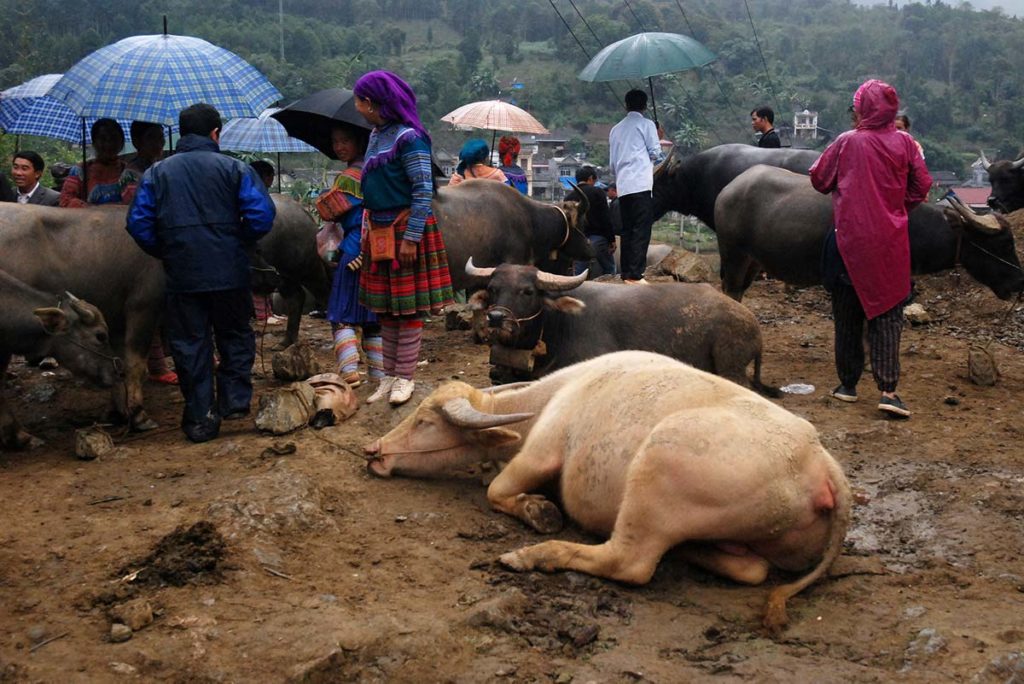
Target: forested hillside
<point>960,72</point>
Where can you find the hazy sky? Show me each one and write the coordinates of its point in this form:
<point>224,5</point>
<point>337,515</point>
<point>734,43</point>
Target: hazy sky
<point>1012,7</point>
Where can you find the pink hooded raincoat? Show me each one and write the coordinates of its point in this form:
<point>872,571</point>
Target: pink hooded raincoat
<point>876,176</point>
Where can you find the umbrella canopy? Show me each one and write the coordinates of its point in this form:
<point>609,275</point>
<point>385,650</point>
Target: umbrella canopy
<point>495,115</point>
<point>260,134</point>
<point>27,110</point>
<point>312,118</point>
<point>645,55</point>
<point>152,78</point>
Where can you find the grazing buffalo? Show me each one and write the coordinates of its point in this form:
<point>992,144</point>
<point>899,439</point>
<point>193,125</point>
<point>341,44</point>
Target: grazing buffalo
<point>690,185</point>
<point>495,224</point>
<point>566,320</point>
<point>38,324</point>
<point>773,220</point>
<point>1007,178</point>
<point>650,452</point>
<point>88,251</point>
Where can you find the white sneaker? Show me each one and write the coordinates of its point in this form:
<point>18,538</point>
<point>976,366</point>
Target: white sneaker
<point>401,391</point>
<point>383,389</point>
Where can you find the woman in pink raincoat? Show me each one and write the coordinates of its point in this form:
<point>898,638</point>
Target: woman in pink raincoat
<point>875,176</point>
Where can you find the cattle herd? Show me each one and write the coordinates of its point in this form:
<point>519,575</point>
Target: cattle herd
<point>691,458</point>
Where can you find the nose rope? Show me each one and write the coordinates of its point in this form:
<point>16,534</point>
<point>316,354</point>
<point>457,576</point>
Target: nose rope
<point>510,317</point>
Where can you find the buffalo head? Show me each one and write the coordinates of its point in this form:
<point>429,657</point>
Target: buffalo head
<point>1007,178</point>
<point>80,340</point>
<point>987,249</point>
<point>671,187</point>
<point>449,429</point>
<point>515,298</point>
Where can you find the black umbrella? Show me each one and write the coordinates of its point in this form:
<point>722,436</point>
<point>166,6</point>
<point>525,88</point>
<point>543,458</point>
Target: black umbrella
<point>312,118</point>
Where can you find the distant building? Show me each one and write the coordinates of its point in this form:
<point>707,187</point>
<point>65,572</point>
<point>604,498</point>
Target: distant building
<point>805,125</point>
<point>975,198</point>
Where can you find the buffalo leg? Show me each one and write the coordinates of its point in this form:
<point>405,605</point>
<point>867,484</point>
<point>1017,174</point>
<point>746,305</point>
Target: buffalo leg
<point>509,492</point>
<point>294,297</point>
<point>736,273</point>
<point>11,434</point>
<point>127,396</point>
<point>747,568</point>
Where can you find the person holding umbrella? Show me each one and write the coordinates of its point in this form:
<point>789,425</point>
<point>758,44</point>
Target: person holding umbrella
<point>473,163</point>
<point>198,212</point>
<point>633,151</point>
<point>405,271</point>
<point>102,176</point>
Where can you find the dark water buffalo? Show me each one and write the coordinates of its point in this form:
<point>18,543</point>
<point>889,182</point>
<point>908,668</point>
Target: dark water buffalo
<point>290,249</point>
<point>690,185</point>
<point>1007,178</point>
<point>36,323</point>
<point>494,224</point>
<point>88,251</point>
<point>773,220</point>
<point>576,320</point>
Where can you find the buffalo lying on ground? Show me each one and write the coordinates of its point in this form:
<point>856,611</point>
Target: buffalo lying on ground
<point>650,452</point>
<point>495,224</point>
<point>690,185</point>
<point>566,320</point>
<point>38,324</point>
<point>772,220</point>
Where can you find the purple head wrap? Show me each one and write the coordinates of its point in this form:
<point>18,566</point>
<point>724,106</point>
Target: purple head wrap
<point>395,97</point>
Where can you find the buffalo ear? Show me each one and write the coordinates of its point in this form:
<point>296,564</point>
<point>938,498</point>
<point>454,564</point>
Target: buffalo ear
<point>54,321</point>
<point>568,305</point>
<point>478,301</point>
<point>496,437</point>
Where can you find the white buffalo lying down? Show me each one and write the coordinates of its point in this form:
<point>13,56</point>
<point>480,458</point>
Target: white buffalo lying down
<point>652,453</point>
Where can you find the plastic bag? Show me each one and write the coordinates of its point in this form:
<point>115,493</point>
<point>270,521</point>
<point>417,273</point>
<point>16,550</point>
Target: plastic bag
<point>328,239</point>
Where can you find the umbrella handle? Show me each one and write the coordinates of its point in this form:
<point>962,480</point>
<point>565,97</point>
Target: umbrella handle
<point>654,104</point>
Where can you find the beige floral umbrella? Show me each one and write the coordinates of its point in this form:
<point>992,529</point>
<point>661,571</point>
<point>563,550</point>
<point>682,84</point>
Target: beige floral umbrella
<point>495,115</point>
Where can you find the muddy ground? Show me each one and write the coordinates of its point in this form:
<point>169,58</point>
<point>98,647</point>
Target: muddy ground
<point>302,567</point>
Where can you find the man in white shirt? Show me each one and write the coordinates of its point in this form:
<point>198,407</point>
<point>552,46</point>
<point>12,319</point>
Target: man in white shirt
<point>634,149</point>
<point>26,170</point>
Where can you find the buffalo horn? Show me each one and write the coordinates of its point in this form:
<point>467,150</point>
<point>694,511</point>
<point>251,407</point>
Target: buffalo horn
<point>461,413</point>
<point>983,224</point>
<point>475,272</point>
<point>1018,164</point>
<point>660,168</point>
<point>558,283</point>
<point>584,202</point>
<point>984,161</point>
<point>84,312</point>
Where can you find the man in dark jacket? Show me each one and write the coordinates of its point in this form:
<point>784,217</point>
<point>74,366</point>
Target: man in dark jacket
<point>199,211</point>
<point>597,226</point>
<point>762,120</point>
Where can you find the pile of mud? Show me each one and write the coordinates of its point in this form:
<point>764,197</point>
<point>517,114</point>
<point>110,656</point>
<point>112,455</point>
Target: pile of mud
<point>191,555</point>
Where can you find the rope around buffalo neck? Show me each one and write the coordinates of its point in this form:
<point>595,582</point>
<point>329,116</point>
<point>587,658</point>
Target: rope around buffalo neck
<point>565,219</point>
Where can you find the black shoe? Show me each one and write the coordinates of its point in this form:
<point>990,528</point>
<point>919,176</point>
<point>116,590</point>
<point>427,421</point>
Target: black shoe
<point>199,435</point>
<point>844,393</point>
<point>894,407</point>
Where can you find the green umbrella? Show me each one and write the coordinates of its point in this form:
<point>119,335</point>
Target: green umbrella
<point>646,55</point>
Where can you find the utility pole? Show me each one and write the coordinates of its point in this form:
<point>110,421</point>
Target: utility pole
<point>280,23</point>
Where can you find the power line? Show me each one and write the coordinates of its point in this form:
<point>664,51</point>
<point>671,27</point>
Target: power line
<point>771,86</point>
<point>718,82</point>
<point>585,52</point>
<point>592,32</point>
<point>635,17</point>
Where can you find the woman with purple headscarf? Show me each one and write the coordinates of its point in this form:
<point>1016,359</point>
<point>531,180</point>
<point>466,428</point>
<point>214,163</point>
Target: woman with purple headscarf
<point>398,187</point>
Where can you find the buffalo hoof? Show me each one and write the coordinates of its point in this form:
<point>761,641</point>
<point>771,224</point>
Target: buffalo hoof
<point>143,423</point>
<point>19,440</point>
<point>515,560</point>
<point>541,514</point>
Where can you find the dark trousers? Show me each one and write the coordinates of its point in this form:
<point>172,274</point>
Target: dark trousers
<point>883,339</point>
<point>637,217</point>
<point>194,321</point>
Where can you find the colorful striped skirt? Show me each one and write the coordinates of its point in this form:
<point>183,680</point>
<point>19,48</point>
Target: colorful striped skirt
<point>423,288</point>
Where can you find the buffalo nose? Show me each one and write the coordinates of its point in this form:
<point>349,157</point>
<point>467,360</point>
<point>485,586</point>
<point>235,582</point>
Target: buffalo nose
<point>495,318</point>
<point>371,450</point>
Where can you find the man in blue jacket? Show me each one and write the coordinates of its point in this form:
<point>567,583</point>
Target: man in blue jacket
<point>198,212</point>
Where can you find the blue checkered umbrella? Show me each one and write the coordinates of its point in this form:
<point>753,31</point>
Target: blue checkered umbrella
<point>27,110</point>
<point>152,78</point>
<point>260,134</point>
